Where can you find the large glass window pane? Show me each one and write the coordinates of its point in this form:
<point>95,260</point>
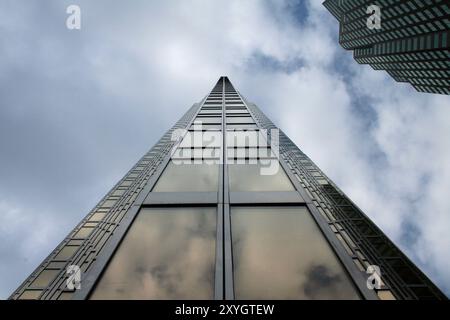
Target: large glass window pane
<point>238,111</point>
<point>205,127</point>
<point>252,153</point>
<point>201,139</point>
<point>247,138</point>
<point>181,177</point>
<point>196,153</point>
<point>209,120</point>
<point>240,120</point>
<point>280,253</point>
<point>266,175</point>
<point>168,253</point>
<point>241,126</point>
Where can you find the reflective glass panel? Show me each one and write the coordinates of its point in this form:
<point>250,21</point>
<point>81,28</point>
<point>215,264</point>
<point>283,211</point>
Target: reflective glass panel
<point>188,178</point>
<point>44,278</point>
<point>201,139</point>
<point>248,138</point>
<point>241,126</point>
<point>262,152</point>
<point>207,120</point>
<point>280,253</point>
<point>240,120</point>
<point>266,175</point>
<point>168,253</point>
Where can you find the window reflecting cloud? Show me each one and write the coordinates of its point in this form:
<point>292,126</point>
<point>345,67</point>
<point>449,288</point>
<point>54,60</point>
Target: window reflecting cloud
<point>280,253</point>
<point>167,254</point>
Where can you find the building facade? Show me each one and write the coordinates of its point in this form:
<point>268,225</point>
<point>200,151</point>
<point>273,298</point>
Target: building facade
<point>411,40</point>
<point>225,206</point>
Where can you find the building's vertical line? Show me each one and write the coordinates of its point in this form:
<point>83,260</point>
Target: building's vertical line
<point>219,276</point>
<point>228,280</point>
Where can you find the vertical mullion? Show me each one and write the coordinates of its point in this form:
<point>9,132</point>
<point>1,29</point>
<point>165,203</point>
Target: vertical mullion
<point>219,275</point>
<point>228,259</point>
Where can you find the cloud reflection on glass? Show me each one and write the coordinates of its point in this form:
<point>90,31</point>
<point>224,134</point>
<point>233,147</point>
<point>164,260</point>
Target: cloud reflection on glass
<point>167,254</point>
<point>279,253</point>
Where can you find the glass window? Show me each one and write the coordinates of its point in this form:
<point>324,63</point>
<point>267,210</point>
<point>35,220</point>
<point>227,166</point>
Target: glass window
<point>240,120</point>
<point>66,252</point>
<point>97,216</point>
<point>266,175</point>
<point>83,232</point>
<point>209,120</point>
<point>242,111</point>
<point>205,127</point>
<point>249,138</point>
<point>30,295</point>
<point>168,253</point>
<point>214,112</point>
<point>201,139</point>
<point>197,153</point>
<point>263,152</point>
<point>44,278</point>
<point>182,177</point>
<point>280,253</point>
<point>241,126</point>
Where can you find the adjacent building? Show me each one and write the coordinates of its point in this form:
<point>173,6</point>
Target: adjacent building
<point>226,206</point>
<point>410,39</point>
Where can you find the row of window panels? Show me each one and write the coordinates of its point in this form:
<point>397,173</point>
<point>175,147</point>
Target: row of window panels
<point>392,27</point>
<point>421,79</point>
<point>218,109</point>
<point>358,41</point>
<point>229,120</point>
<point>433,41</point>
<point>439,76</point>
<point>406,21</point>
<point>439,90</point>
<point>302,264</point>
<point>401,78</point>
<point>239,112</point>
<point>227,98</point>
<point>359,38</point>
<point>416,56</point>
<point>393,10</point>
<point>234,138</point>
<point>350,5</point>
<point>215,106</point>
<point>218,127</point>
<point>253,176</point>
<point>227,107</point>
<point>242,108</point>
<point>436,67</point>
<point>216,153</point>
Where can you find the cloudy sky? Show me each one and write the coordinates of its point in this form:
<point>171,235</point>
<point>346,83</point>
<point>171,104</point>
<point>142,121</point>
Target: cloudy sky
<point>78,109</point>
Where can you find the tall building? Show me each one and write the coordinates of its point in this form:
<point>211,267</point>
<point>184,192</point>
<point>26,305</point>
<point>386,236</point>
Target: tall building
<point>225,206</point>
<point>410,39</point>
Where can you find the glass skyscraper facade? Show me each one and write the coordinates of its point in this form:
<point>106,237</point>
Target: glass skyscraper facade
<point>225,206</point>
<point>412,43</point>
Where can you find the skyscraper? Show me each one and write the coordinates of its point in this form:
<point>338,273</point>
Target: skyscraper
<point>410,39</point>
<point>225,206</point>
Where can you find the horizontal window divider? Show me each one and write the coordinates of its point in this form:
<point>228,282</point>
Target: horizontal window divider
<point>181,198</point>
<point>267,197</point>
